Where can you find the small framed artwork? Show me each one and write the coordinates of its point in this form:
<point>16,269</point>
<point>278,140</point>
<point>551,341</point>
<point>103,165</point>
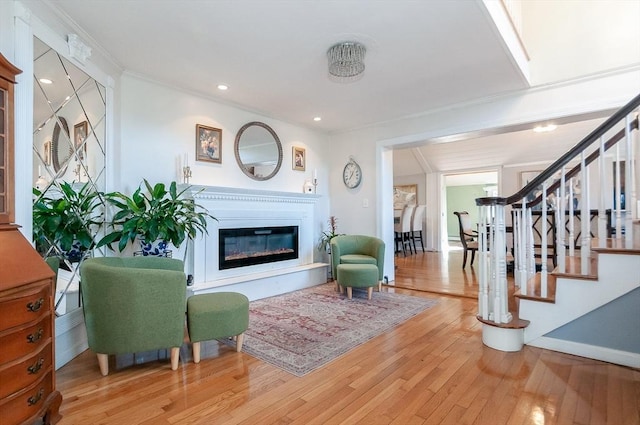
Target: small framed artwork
<point>47,152</point>
<point>299,158</point>
<point>208,144</point>
<point>80,131</point>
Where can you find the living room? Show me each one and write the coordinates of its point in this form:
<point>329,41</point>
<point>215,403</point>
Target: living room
<point>151,123</point>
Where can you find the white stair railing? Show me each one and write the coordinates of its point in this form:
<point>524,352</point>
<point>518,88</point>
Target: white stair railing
<point>564,182</point>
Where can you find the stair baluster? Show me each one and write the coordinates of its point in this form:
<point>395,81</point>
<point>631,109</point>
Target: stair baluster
<point>561,186</point>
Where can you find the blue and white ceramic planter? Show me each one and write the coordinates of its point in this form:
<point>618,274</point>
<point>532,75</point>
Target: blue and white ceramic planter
<point>76,253</point>
<point>156,248</point>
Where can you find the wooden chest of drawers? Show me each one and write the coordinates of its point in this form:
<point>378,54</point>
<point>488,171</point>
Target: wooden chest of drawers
<point>27,356</point>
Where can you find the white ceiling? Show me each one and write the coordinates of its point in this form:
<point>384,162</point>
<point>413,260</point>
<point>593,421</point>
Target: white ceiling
<point>421,55</point>
<point>272,53</point>
<point>513,148</point>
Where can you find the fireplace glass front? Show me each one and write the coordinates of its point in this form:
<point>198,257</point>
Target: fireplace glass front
<point>256,245</point>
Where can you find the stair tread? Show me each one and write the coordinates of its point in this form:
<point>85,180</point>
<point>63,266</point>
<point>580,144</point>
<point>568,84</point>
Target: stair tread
<point>534,289</point>
<point>573,269</point>
<point>616,246</point>
<point>515,323</point>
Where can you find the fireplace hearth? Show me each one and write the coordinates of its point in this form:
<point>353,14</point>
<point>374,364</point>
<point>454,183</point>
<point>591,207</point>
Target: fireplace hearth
<point>241,247</point>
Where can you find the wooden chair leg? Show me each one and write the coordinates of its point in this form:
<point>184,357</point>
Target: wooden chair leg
<point>239,341</point>
<point>349,292</point>
<point>196,352</point>
<point>379,286</point>
<point>464,259</point>
<point>473,255</point>
<point>175,357</point>
<point>369,292</point>
<point>103,363</point>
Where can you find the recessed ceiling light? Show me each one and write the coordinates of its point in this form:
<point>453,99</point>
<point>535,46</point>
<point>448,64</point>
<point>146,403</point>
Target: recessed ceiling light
<point>545,128</point>
<point>222,87</point>
<point>317,118</point>
<point>45,81</point>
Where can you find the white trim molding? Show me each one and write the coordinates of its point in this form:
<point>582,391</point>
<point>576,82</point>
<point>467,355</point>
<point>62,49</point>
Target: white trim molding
<point>605,354</point>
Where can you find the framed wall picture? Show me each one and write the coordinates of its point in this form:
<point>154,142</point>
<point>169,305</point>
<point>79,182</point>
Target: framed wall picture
<point>299,158</point>
<point>208,144</point>
<point>80,131</point>
<point>406,194</point>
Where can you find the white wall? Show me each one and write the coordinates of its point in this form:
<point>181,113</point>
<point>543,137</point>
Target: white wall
<point>566,39</point>
<point>158,128</point>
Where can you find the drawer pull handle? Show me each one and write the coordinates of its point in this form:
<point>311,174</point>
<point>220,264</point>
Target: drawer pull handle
<point>35,337</point>
<point>35,398</point>
<point>35,368</point>
<point>35,306</point>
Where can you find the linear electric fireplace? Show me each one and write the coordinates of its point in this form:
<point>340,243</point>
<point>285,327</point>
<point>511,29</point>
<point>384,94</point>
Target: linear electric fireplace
<point>256,245</point>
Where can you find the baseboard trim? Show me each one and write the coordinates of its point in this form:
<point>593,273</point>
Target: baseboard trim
<point>610,355</point>
<point>68,321</point>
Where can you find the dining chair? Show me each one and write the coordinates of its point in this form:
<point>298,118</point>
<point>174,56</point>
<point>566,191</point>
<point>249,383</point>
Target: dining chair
<point>416,226</point>
<point>403,230</point>
<point>468,236</point>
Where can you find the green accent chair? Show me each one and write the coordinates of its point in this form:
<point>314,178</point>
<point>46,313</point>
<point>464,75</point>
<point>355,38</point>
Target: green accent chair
<point>54,263</point>
<point>133,304</point>
<point>357,249</point>
<point>217,315</point>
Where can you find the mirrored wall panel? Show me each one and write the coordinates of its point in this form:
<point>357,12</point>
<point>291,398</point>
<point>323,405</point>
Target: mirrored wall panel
<point>69,119</point>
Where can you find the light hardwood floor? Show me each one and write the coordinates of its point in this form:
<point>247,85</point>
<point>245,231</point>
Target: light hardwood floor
<point>432,369</point>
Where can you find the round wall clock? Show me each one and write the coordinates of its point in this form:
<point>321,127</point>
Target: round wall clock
<point>352,174</point>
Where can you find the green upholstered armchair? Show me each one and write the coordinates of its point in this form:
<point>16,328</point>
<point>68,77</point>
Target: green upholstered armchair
<point>357,249</point>
<point>132,305</point>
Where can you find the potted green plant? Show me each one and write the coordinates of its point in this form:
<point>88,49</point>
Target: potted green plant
<point>67,219</point>
<point>154,214</point>
<point>327,235</point>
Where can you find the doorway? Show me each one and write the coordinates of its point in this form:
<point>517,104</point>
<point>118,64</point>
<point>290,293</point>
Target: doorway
<point>459,193</point>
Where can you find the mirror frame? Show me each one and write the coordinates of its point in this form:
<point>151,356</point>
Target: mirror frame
<point>237,150</point>
<point>59,163</point>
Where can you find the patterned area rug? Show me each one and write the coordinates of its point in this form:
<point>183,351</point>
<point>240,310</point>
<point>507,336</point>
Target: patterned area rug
<point>304,330</point>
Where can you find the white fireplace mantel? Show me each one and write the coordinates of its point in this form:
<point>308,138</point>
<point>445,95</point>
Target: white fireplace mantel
<point>237,208</point>
<point>252,195</point>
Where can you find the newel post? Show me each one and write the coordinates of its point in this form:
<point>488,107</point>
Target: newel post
<point>492,247</point>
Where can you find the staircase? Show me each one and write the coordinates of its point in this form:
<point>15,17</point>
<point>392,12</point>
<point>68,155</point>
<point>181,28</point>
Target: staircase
<point>577,281</point>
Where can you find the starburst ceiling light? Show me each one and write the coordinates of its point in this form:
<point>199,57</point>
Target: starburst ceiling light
<point>346,61</point>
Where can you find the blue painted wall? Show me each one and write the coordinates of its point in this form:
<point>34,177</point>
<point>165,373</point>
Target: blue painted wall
<point>615,325</point>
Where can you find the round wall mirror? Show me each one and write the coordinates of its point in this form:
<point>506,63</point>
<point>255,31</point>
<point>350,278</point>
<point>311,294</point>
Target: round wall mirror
<point>258,151</point>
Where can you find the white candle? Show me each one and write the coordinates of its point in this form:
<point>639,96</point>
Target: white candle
<point>186,159</point>
<point>315,173</point>
<point>39,171</point>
